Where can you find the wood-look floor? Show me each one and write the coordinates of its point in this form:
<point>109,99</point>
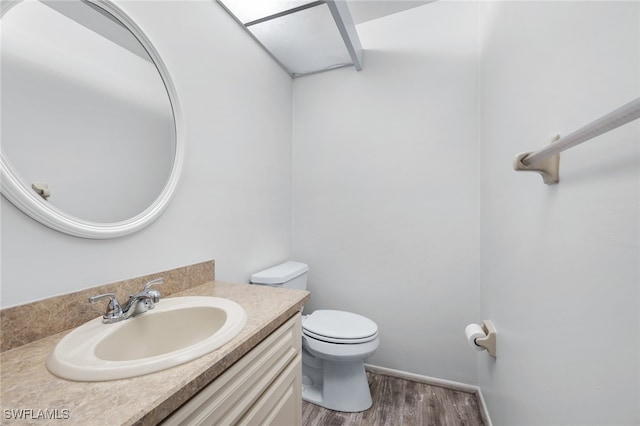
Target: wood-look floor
<point>399,402</point>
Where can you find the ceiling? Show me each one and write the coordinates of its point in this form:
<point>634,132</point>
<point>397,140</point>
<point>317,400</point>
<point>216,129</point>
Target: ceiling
<point>366,10</point>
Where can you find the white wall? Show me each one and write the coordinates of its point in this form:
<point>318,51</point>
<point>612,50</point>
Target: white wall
<point>385,187</point>
<point>233,203</point>
<point>560,264</point>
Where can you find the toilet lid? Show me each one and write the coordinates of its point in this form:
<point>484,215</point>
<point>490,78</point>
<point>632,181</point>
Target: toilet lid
<point>339,327</point>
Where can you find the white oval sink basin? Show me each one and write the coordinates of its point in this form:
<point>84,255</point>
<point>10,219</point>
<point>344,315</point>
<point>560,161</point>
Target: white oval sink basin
<point>178,330</point>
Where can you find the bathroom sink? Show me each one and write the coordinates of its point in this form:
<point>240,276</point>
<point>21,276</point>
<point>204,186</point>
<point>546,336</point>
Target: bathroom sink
<point>178,330</point>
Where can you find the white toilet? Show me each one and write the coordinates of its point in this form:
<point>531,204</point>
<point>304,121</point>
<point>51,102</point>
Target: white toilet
<point>334,347</point>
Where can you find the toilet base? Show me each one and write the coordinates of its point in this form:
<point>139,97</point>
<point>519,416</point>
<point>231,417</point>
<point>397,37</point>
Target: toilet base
<point>343,386</point>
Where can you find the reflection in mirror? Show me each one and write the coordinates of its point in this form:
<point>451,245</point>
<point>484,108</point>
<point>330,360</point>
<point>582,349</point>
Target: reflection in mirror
<point>84,110</point>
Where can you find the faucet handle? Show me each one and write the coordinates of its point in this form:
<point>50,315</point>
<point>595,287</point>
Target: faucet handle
<point>114,310</point>
<point>155,294</point>
<point>154,282</point>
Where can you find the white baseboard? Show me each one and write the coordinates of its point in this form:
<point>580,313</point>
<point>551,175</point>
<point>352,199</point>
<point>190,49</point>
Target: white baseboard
<point>448,384</point>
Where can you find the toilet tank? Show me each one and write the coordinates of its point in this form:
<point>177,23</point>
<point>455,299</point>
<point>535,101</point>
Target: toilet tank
<point>288,275</point>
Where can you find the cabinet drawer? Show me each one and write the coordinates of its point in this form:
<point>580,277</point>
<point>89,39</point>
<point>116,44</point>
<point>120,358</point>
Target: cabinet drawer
<point>225,400</point>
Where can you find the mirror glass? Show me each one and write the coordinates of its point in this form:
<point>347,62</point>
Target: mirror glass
<point>85,111</point>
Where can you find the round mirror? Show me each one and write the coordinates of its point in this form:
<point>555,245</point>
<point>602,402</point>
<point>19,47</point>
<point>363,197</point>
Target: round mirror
<point>91,132</point>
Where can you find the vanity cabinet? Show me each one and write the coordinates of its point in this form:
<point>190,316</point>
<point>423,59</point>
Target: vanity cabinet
<point>262,388</point>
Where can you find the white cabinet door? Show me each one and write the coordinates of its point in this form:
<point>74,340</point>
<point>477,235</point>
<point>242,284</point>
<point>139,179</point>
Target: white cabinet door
<point>281,404</point>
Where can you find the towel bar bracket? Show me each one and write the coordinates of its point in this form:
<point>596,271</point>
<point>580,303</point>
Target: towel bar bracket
<point>549,168</point>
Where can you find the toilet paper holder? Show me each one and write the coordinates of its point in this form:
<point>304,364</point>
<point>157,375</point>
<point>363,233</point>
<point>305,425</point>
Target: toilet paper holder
<point>488,342</point>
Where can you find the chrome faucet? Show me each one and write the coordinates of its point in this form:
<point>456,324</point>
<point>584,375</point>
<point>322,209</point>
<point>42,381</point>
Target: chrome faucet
<point>137,304</point>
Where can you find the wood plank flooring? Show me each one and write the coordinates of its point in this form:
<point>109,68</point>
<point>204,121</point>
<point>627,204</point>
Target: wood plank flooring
<point>400,402</point>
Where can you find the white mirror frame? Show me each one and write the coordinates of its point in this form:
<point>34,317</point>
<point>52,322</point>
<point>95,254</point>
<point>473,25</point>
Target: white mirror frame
<point>20,194</point>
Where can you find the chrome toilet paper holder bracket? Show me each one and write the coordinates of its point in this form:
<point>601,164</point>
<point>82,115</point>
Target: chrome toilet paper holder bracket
<point>488,342</point>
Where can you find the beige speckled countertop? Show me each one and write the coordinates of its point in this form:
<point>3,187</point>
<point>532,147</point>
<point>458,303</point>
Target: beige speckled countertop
<point>27,384</point>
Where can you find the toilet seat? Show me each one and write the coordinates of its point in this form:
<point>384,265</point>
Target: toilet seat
<point>339,327</point>
<point>339,341</point>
